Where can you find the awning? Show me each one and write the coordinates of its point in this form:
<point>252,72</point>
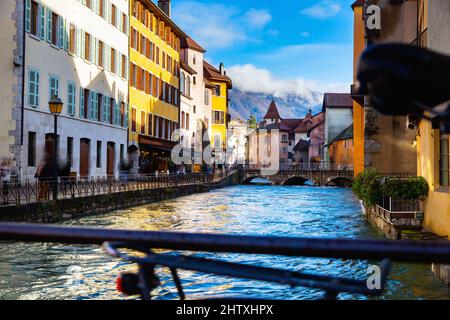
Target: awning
<point>157,144</point>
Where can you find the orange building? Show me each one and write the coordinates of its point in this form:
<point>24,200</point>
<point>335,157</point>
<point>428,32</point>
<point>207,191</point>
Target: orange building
<point>341,148</point>
<point>358,101</point>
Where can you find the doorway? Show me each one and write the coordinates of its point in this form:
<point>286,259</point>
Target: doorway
<point>84,157</point>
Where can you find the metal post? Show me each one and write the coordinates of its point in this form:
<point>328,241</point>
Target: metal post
<point>55,159</point>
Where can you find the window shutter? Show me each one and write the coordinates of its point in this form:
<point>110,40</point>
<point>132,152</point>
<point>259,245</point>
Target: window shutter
<point>95,106</point>
<point>125,118</point>
<point>66,34</point>
<point>78,45</point>
<point>91,98</point>
<point>83,44</point>
<point>49,25</point>
<point>61,32</point>
<point>81,102</point>
<point>41,22</point>
<point>108,11</point>
<point>96,51</point>
<point>27,15</point>
<point>116,63</point>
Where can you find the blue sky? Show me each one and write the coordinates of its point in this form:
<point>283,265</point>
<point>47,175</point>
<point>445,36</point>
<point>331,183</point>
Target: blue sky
<point>280,46</point>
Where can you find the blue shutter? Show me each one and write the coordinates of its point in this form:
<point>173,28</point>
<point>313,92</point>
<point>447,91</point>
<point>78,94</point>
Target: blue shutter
<point>41,22</point>
<point>49,25</point>
<point>82,102</point>
<point>66,34</point>
<point>27,15</point>
<point>125,120</point>
<point>95,107</point>
<point>61,32</point>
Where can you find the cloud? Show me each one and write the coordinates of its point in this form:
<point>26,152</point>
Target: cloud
<point>219,26</point>
<point>322,10</point>
<point>273,33</point>
<point>257,18</point>
<point>305,34</point>
<point>249,78</point>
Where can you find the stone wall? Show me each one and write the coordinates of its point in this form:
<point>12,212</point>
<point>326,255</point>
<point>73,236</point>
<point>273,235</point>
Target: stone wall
<point>65,209</point>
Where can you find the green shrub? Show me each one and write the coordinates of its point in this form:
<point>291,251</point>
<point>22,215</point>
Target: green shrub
<point>370,186</point>
<point>367,186</point>
<point>411,188</point>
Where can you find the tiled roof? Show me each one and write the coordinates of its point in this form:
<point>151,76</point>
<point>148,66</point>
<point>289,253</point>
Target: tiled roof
<point>272,112</point>
<point>337,100</point>
<point>310,122</point>
<point>290,124</point>
<point>302,145</point>
<point>211,73</point>
<point>191,44</point>
<point>347,133</point>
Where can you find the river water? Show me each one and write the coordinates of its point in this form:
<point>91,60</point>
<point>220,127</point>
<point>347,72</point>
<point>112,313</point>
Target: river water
<point>54,271</point>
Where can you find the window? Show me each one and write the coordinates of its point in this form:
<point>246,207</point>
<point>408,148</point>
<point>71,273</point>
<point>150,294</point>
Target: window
<point>87,46</point>
<point>55,27</point>
<point>124,67</point>
<point>133,120</point>
<point>216,90</point>
<point>113,15</point>
<point>113,60</point>
<point>150,124</point>
<point>33,88</point>
<point>54,86</point>
<point>219,117</point>
<point>73,37</point>
<point>101,48</point>
<point>207,96</point>
<point>101,6</point>
<point>444,161</point>
<point>99,154</point>
<point>84,102</point>
<point>187,121</point>
<point>31,149</point>
<point>71,98</point>
<point>183,119</point>
<point>143,122</point>
<point>69,151</point>
<point>34,18</point>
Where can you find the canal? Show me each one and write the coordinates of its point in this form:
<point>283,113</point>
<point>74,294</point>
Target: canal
<point>54,271</point>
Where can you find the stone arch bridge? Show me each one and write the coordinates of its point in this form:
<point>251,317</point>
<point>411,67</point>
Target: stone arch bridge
<point>299,176</point>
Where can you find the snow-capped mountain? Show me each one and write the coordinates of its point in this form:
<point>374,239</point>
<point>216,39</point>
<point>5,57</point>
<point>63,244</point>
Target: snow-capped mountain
<point>243,104</point>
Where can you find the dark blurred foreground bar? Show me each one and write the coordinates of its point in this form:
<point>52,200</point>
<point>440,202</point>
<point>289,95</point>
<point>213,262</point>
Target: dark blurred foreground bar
<point>401,251</point>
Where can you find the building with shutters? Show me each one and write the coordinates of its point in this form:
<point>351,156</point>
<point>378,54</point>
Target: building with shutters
<point>155,44</point>
<point>76,50</point>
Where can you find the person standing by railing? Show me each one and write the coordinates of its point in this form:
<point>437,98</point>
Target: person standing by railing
<point>44,174</point>
<point>5,175</point>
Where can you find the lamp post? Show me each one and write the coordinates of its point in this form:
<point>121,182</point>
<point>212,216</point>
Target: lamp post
<point>55,105</point>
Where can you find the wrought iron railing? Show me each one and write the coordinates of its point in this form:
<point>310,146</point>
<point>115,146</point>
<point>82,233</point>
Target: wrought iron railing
<point>143,282</point>
<point>22,192</point>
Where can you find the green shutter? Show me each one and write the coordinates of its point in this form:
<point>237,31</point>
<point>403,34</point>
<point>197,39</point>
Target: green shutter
<point>27,15</point>
<point>61,32</point>
<point>81,102</point>
<point>49,25</point>
<point>66,34</point>
<point>41,22</point>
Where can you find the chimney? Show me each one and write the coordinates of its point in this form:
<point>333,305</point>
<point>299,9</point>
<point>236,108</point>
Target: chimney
<point>222,69</point>
<point>164,5</point>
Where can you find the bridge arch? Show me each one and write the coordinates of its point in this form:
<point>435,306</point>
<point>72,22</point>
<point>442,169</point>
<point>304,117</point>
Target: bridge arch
<point>339,182</point>
<point>250,180</point>
<point>297,181</point>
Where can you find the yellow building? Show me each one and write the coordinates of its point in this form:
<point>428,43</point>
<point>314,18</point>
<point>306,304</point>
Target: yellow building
<point>433,156</point>
<point>155,44</point>
<point>358,101</point>
<point>220,83</point>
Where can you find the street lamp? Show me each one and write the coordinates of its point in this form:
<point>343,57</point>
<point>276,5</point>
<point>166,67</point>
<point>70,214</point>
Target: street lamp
<point>55,105</point>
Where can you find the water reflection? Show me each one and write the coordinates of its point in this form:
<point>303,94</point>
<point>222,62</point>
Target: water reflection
<point>53,271</point>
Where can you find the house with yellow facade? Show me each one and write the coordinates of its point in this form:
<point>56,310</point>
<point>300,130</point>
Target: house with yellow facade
<point>220,83</point>
<point>426,24</point>
<point>154,108</point>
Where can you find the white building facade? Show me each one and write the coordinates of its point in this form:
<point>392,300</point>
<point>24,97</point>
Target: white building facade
<point>195,101</point>
<point>76,50</point>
